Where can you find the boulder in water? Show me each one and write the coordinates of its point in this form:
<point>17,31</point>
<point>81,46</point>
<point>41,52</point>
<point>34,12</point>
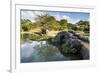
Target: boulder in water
<point>68,45</point>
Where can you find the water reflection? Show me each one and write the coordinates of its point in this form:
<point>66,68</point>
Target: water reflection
<point>40,51</point>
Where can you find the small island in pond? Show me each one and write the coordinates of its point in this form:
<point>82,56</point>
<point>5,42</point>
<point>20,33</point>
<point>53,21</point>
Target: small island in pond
<point>54,36</point>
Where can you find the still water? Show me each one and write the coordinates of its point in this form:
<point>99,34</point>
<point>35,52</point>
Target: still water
<point>40,51</point>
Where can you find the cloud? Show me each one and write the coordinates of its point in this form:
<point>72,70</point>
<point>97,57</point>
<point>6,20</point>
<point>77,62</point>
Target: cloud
<point>27,15</point>
<point>70,20</point>
<point>31,15</point>
<point>60,17</point>
<point>72,17</point>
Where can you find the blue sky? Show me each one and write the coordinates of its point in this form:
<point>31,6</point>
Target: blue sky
<point>72,17</point>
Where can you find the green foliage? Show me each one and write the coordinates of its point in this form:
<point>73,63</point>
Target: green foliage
<point>46,22</point>
<point>83,26</point>
<point>64,24</point>
<point>26,25</point>
<point>50,22</point>
<point>34,36</point>
<point>72,26</point>
<point>38,37</point>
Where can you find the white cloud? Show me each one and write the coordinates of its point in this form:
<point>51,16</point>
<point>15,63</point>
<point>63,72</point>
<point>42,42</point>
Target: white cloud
<point>39,13</point>
<point>75,21</point>
<point>59,17</point>
<point>27,15</point>
<point>31,15</point>
<point>70,20</point>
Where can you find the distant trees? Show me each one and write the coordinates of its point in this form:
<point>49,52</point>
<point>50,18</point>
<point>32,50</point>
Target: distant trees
<point>83,26</point>
<point>47,22</point>
<point>79,26</point>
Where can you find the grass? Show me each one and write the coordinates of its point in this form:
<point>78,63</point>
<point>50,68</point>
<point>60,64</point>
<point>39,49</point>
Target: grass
<point>35,37</point>
<point>36,34</point>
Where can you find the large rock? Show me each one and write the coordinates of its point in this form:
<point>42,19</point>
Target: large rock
<point>69,45</point>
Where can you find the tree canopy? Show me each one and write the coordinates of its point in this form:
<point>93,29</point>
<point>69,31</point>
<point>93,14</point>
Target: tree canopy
<point>46,21</point>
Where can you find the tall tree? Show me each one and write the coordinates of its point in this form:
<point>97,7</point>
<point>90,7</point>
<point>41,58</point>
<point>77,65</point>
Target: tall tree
<point>64,24</point>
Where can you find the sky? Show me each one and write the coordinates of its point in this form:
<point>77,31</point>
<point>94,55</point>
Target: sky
<point>72,17</point>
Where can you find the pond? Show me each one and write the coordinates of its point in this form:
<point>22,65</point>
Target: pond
<point>40,51</point>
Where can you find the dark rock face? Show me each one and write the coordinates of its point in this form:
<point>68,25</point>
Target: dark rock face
<point>69,45</point>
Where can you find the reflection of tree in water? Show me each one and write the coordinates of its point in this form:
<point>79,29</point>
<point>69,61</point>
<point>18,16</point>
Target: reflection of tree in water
<point>47,52</point>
